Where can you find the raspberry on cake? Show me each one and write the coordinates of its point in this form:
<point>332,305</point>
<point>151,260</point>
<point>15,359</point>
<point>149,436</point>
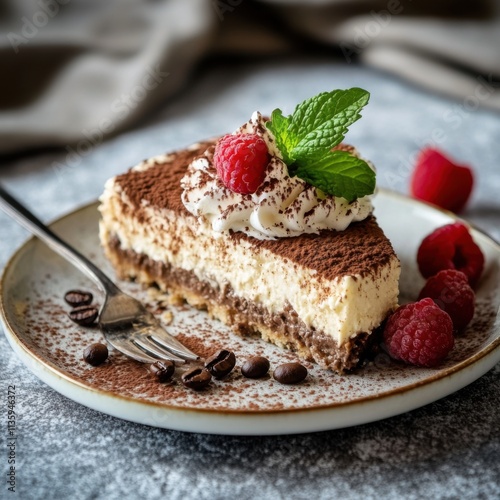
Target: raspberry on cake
<point>298,259</point>
<point>241,161</point>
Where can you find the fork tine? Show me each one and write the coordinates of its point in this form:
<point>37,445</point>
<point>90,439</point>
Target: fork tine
<point>130,350</point>
<point>170,343</point>
<point>154,331</point>
<point>151,348</point>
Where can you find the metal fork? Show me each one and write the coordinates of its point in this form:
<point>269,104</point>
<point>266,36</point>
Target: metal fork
<point>124,321</point>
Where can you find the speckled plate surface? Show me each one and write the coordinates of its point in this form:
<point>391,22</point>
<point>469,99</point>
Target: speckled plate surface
<point>36,324</point>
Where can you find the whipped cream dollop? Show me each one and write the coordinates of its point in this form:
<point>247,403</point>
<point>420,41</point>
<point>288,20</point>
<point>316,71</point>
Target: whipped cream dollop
<point>282,206</point>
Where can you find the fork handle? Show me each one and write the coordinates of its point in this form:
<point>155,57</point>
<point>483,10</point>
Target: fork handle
<point>23,216</point>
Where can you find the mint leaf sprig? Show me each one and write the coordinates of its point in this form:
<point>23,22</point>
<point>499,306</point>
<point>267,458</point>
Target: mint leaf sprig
<point>307,137</point>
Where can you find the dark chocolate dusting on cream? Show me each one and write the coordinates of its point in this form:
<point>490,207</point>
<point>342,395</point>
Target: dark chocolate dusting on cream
<point>359,250</point>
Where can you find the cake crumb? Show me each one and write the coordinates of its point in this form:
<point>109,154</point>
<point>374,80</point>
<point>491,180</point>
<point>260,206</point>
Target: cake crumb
<point>175,299</point>
<point>167,317</point>
<point>157,294</point>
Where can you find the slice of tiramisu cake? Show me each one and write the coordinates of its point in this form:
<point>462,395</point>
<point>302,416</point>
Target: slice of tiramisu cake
<point>269,228</point>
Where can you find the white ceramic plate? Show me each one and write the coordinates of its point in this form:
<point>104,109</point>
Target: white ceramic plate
<point>35,321</point>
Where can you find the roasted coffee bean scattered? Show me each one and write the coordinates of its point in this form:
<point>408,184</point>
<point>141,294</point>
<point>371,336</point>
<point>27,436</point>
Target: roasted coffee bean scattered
<point>196,378</point>
<point>162,370</point>
<point>221,363</point>
<point>255,367</point>
<point>290,373</point>
<point>84,315</point>
<point>95,354</point>
<point>77,298</point>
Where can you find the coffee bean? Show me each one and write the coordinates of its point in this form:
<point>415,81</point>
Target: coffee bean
<point>290,373</point>
<point>196,378</point>
<point>255,367</point>
<point>84,315</point>
<point>77,298</point>
<point>162,370</point>
<point>221,363</point>
<point>95,354</point>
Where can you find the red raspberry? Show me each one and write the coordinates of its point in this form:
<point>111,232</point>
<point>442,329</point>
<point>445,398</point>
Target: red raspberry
<point>241,162</point>
<point>419,333</point>
<point>450,247</point>
<point>450,290</point>
<point>438,180</point>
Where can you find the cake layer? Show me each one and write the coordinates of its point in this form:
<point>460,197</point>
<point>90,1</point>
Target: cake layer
<point>285,329</point>
<point>328,290</point>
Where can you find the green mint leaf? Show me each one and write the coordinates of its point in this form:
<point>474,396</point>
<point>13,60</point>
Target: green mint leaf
<point>339,173</point>
<point>307,137</point>
<point>279,127</point>
<point>320,123</point>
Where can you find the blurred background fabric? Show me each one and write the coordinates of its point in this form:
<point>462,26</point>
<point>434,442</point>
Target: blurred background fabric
<point>73,69</point>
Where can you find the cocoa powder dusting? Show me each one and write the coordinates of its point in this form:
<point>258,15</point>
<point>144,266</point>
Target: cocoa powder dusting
<point>361,249</point>
<point>160,184</point>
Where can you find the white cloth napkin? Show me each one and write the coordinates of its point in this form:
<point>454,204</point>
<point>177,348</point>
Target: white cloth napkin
<point>457,53</point>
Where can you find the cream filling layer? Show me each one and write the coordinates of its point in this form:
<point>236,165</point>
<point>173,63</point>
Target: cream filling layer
<point>341,308</point>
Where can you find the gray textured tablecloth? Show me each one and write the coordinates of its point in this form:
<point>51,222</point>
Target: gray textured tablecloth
<point>448,449</point>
